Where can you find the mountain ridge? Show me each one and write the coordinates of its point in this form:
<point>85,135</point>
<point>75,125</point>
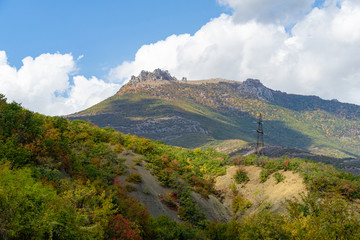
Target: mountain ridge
<point>192,113</point>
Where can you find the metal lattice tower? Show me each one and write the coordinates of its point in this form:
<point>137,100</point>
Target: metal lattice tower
<point>260,138</point>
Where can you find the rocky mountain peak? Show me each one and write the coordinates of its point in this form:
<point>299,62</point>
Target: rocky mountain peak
<point>253,82</point>
<point>156,75</point>
<point>255,87</point>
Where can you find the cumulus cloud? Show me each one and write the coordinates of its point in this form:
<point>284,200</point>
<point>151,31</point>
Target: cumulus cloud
<point>221,48</point>
<point>323,53</point>
<point>88,92</point>
<point>43,85</point>
<point>318,57</point>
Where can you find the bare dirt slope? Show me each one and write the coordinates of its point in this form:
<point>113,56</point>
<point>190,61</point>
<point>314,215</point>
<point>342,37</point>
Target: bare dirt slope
<point>148,191</point>
<point>262,195</point>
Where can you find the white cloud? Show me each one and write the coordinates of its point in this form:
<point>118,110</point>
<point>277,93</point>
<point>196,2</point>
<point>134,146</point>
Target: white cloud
<point>163,54</point>
<point>323,50</point>
<point>42,83</point>
<point>320,56</point>
<point>88,92</point>
<point>221,48</point>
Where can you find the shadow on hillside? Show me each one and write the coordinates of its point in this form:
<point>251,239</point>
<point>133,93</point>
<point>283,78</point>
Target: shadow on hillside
<point>127,113</point>
<point>276,133</point>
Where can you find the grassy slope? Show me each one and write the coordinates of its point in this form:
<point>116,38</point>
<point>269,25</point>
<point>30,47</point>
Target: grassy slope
<point>318,126</point>
<point>130,108</point>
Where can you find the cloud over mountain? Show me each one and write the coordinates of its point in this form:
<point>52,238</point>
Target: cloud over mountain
<point>289,44</point>
<point>317,56</point>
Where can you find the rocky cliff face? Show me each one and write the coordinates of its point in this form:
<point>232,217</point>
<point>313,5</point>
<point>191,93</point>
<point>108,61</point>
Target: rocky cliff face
<point>256,88</point>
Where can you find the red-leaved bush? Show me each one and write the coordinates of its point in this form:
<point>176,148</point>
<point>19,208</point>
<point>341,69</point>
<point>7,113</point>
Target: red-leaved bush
<point>121,228</point>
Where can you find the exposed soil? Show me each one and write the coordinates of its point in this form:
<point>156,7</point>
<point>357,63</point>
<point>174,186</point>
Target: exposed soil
<point>150,193</point>
<point>262,195</point>
<point>149,189</point>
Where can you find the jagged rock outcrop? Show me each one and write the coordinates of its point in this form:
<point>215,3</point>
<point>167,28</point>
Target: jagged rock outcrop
<point>148,79</point>
<point>256,88</point>
<point>156,75</point>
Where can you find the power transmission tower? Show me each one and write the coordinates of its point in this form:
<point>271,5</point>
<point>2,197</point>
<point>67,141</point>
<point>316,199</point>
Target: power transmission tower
<point>260,138</point>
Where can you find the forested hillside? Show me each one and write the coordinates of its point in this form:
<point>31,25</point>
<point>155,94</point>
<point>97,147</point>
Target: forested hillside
<point>60,180</point>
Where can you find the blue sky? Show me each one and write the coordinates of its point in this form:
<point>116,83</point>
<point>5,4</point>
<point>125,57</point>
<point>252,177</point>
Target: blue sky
<point>105,32</point>
<point>59,57</point>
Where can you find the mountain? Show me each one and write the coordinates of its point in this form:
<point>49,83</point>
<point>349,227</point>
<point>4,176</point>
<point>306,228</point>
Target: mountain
<point>73,180</point>
<point>196,113</point>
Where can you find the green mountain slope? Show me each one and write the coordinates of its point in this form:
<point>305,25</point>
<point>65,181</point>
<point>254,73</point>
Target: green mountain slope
<point>194,113</point>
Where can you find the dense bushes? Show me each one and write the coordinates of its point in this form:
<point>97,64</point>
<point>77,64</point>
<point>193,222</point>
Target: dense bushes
<point>166,229</point>
<point>120,228</point>
<point>310,218</point>
<point>31,210</point>
<point>75,149</point>
<point>61,183</point>
<point>325,178</point>
<point>323,218</point>
<point>56,149</point>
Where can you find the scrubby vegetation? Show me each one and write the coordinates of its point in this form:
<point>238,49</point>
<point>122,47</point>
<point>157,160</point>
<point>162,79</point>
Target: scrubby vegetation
<point>58,181</point>
<point>241,176</point>
<point>279,177</point>
<point>197,168</point>
<point>134,178</point>
<point>240,204</point>
<point>58,178</point>
<point>318,177</point>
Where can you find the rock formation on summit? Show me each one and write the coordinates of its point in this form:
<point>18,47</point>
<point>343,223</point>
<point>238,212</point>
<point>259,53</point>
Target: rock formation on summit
<point>156,75</point>
<point>255,87</point>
